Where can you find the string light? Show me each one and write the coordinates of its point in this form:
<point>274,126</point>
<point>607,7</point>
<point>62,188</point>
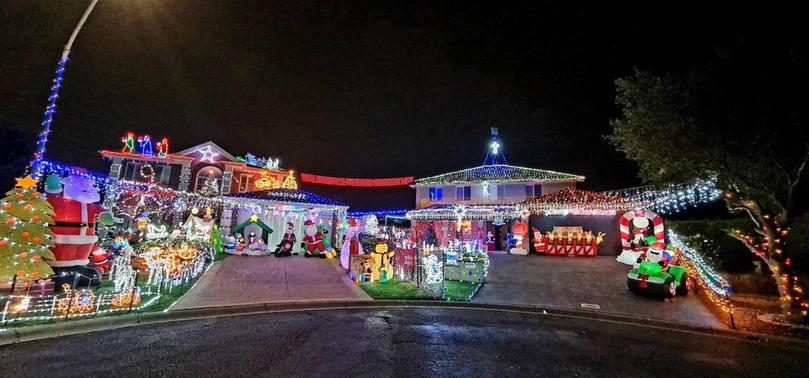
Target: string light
<point>714,285</point>
<point>571,201</point>
<point>674,198</point>
<point>499,173</point>
<point>453,212</point>
<point>35,167</point>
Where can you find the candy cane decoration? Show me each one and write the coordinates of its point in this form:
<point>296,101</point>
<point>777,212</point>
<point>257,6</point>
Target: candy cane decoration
<point>657,221</point>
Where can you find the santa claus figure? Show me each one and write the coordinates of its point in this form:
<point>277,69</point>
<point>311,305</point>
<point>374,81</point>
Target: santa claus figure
<point>75,212</point>
<point>313,240</point>
<point>284,248</point>
<point>351,244</point>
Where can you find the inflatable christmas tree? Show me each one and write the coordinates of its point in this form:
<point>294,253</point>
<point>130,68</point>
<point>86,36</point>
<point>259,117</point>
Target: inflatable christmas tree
<point>25,239</point>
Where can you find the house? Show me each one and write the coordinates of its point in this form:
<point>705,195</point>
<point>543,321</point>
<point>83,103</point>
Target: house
<point>205,169</point>
<point>479,203</point>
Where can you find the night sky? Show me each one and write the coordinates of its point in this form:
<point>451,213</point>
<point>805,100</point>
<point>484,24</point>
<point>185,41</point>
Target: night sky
<point>356,89</point>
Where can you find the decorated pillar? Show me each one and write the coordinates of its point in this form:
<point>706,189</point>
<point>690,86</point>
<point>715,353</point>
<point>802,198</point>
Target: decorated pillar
<point>115,168</point>
<point>185,176</point>
<point>226,177</point>
<point>225,222</point>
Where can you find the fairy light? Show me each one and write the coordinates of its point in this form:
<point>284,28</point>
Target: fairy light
<point>499,173</point>
<point>571,201</point>
<point>717,289</point>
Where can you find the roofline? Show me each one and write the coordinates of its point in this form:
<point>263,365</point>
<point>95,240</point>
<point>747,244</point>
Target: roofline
<point>133,156</point>
<point>575,178</point>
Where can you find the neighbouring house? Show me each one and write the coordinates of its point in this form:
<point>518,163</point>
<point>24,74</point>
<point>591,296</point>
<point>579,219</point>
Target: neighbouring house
<point>471,203</point>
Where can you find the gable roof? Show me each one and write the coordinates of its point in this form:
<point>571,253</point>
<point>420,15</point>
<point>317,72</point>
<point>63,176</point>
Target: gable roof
<point>218,149</point>
<point>499,173</point>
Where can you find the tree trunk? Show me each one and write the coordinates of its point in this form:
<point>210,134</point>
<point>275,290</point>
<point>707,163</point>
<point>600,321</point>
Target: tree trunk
<point>768,244</point>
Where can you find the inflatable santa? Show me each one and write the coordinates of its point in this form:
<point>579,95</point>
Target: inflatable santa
<point>313,240</point>
<point>75,212</point>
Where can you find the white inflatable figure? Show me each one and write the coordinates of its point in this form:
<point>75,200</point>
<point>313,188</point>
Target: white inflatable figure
<point>433,269</point>
<point>352,234</point>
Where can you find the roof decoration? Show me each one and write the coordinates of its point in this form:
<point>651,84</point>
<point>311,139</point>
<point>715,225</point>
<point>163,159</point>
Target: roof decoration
<point>288,195</point>
<point>571,201</point>
<point>495,154</point>
<point>356,182</point>
<point>499,173</point>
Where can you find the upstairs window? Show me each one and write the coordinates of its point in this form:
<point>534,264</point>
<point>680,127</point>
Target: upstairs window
<point>245,183</point>
<point>436,194</point>
<point>463,193</point>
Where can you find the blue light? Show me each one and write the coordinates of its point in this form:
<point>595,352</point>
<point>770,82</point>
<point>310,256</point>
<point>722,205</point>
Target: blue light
<point>35,168</point>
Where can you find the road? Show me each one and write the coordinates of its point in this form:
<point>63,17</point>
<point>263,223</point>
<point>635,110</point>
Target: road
<point>399,342</point>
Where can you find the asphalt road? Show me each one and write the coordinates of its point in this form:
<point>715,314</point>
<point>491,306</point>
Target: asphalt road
<point>399,342</point>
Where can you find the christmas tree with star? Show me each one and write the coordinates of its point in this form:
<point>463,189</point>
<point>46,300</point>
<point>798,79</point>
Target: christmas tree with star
<point>25,239</point>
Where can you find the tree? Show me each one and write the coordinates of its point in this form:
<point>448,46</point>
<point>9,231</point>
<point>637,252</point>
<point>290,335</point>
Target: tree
<point>216,238</point>
<point>25,239</point>
<point>741,120</point>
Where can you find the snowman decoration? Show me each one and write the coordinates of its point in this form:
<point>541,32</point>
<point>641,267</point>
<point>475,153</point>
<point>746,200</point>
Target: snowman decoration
<point>76,210</point>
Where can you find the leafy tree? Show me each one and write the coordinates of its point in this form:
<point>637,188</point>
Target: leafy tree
<point>742,119</point>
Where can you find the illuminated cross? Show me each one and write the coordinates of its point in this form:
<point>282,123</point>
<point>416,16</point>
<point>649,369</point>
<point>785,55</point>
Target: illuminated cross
<point>207,153</point>
<point>495,147</point>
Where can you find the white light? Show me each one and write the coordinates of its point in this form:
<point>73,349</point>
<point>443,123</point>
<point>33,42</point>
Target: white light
<point>495,147</point>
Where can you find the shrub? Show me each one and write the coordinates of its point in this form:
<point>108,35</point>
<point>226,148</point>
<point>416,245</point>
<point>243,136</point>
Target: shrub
<point>709,237</point>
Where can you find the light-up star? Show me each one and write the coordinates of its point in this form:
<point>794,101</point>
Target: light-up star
<point>495,147</point>
<point>27,182</point>
<point>207,153</point>
<point>254,218</point>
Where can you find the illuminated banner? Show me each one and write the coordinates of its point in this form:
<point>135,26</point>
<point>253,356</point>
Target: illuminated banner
<point>356,182</point>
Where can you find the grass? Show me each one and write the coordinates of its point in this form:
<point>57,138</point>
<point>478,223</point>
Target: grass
<point>396,290</point>
<point>459,290</point>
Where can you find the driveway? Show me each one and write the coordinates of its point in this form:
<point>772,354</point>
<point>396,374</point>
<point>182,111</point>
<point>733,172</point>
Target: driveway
<point>266,279</point>
<point>571,282</point>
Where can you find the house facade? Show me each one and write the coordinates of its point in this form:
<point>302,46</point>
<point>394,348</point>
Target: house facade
<point>205,169</point>
<point>495,184</point>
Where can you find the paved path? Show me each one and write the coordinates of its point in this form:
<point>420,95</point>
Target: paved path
<point>266,279</point>
<point>569,282</point>
<point>409,342</point>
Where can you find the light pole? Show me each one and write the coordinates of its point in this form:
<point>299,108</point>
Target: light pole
<point>35,167</point>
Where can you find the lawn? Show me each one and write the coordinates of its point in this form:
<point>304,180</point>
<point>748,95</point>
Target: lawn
<point>459,290</point>
<point>396,290</point>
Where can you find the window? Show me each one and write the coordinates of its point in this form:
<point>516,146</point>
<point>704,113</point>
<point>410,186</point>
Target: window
<point>132,172</point>
<point>208,181</point>
<point>463,193</point>
<point>436,194</point>
<point>245,183</point>
<point>533,190</point>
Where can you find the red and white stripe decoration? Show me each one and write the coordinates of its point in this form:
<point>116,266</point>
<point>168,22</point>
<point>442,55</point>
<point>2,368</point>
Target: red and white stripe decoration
<point>657,222</point>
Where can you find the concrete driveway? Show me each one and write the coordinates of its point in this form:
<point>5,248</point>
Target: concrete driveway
<point>571,282</point>
<point>266,279</point>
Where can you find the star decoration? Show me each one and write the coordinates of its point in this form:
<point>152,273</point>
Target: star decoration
<point>254,218</point>
<point>207,153</point>
<point>27,182</point>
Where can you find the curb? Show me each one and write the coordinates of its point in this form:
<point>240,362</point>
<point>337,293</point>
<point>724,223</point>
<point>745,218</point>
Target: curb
<point>75,327</point>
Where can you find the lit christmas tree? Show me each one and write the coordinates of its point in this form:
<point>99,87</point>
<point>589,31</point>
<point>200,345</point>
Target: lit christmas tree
<point>289,182</point>
<point>25,239</point>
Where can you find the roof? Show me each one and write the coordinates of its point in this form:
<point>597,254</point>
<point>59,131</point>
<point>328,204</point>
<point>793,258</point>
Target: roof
<point>471,212</point>
<point>289,195</point>
<point>579,202</point>
<point>220,150</point>
<point>365,198</point>
<point>499,173</point>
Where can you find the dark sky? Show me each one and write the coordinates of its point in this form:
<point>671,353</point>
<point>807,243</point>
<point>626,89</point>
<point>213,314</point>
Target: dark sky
<point>354,88</point>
